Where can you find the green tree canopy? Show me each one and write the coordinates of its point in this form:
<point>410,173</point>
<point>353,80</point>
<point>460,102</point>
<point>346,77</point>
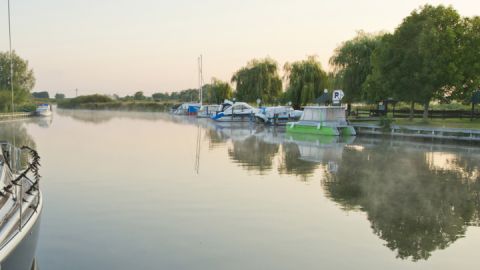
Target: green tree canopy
<point>259,79</point>
<point>43,94</point>
<point>161,96</point>
<point>470,60</point>
<point>352,64</point>
<point>59,96</point>
<point>420,61</point>
<point>306,81</point>
<point>23,80</point>
<point>217,91</point>
<point>139,96</point>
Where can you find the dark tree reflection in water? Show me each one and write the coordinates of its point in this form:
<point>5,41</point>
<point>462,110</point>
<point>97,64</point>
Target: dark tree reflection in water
<point>415,207</point>
<point>293,164</point>
<point>253,153</point>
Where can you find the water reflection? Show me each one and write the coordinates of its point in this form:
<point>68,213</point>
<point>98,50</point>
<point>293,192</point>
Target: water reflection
<point>16,133</point>
<point>418,197</point>
<point>415,207</point>
<point>100,117</point>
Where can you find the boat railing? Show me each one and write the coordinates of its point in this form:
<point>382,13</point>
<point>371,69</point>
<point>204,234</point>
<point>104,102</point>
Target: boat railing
<point>24,191</point>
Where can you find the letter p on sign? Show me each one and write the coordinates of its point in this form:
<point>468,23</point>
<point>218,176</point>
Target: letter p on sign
<point>337,96</point>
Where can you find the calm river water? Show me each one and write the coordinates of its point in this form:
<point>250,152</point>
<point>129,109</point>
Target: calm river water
<point>153,191</point>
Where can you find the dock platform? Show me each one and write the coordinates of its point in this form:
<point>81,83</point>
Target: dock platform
<point>419,132</point>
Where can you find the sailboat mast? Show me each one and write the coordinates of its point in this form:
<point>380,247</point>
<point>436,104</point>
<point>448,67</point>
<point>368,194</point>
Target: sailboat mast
<point>11,56</point>
<point>200,78</point>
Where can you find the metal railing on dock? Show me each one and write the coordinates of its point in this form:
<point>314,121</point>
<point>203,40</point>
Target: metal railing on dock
<point>419,132</point>
<point>17,115</point>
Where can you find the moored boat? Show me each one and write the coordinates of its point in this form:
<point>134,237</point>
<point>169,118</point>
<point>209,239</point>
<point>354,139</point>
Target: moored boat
<point>207,111</point>
<point>278,115</point>
<point>235,112</point>
<point>20,208</point>
<point>187,109</point>
<point>322,120</point>
<point>43,110</point>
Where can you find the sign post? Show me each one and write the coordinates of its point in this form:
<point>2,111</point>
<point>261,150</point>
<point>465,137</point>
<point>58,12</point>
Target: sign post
<point>475,100</point>
<point>337,97</point>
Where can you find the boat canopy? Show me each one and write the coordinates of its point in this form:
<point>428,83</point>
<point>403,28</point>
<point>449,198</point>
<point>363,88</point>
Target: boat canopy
<point>240,107</point>
<point>323,114</point>
<point>211,108</point>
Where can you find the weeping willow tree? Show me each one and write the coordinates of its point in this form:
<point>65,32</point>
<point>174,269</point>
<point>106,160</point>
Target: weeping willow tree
<point>352,64</point>
<point>306,81</point>
<point>23,81</point>
<point>259,79</point>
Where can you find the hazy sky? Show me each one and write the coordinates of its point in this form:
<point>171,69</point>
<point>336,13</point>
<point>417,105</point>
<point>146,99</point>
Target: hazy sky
<point>117,46</point>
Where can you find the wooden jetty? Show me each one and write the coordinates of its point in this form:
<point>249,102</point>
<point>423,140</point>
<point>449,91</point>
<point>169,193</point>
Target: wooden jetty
<point>459,134</point>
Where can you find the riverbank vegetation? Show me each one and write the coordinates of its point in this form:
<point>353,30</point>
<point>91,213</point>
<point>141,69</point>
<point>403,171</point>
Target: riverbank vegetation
<point>23,83</point>
<point>102,102</point>
<point>431,59</point>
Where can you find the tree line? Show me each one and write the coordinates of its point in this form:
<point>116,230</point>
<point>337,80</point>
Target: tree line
<point>433,55</point>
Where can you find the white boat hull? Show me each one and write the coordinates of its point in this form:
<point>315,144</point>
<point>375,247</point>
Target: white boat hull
<point>19,252</point>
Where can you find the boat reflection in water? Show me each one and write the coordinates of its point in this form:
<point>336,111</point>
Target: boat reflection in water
<point>418,197</point>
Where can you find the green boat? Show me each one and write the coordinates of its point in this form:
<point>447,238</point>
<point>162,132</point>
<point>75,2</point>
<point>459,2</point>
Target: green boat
<point>322,120</point>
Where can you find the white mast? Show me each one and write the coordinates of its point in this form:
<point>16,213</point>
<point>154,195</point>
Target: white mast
<point>11,56</point>
<point>200,79</point>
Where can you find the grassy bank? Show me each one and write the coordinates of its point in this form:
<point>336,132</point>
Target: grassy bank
<point>142,106</point>
<point>101,102</point>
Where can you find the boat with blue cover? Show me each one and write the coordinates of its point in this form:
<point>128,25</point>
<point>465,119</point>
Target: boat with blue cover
<point>187,109</point>
<point>235,112</point>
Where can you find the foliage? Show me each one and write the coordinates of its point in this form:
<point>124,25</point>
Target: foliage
<point>420,61</point>
<point>352,64</point>
<point>139,95</point>
<point>217,92</point>
<point>259,79</point>
<point>23,81</point>
<point>469,60</point>
<point>80,100</point>
<point>188,95</point>
<point>115,105</point>
<point>161,96</point>
<point>59,96</point>
<point>43,94</point>
<point>306,81</point>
